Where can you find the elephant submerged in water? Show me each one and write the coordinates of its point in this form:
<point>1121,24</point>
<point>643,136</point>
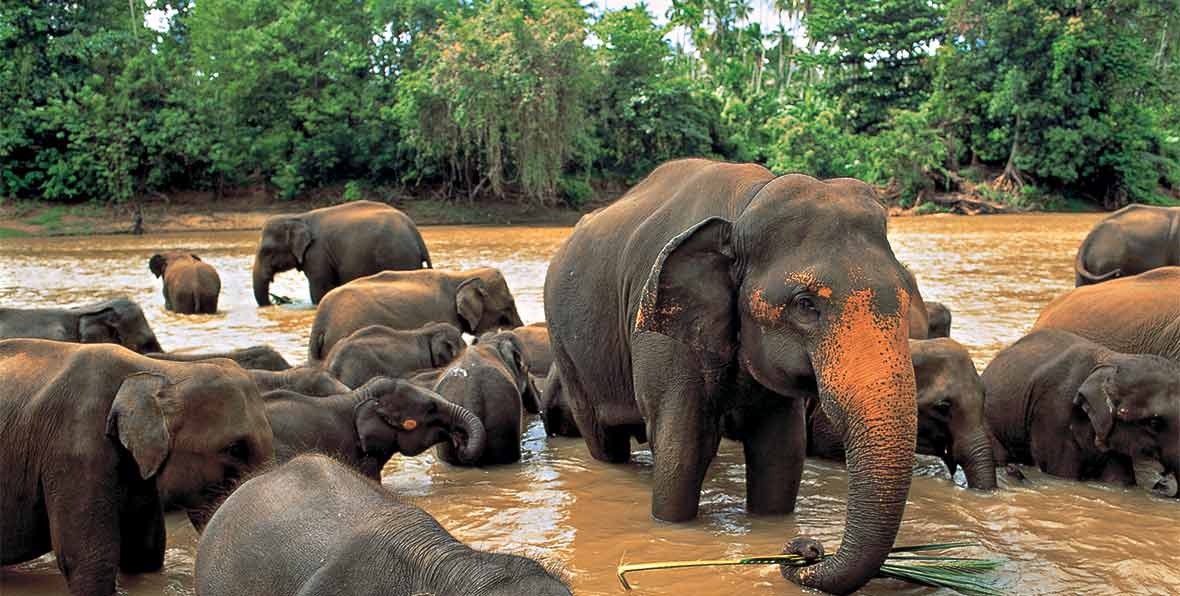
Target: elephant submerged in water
<point>191,286</point>
<point>1079,410</point>
<point>714,288</point>
<point>96,440</point>
<point>473,301</point>
<point>1132,240</point>
<point>335,245</point>
<point>951,421</point>
<point>117,321</point>
<point>312,526</point>
<point>1133,315</point>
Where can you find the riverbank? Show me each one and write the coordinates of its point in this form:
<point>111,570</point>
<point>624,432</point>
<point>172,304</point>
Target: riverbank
<point>246,210</point>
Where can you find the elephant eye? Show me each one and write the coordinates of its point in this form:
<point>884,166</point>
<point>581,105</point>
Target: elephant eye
<point>943,406</point>
<point>238,450</point>
<point>805,303</point>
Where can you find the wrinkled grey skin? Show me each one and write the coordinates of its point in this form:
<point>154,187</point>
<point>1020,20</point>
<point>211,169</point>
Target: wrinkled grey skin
<point>96,440</point>
<point>378,350</point>
<point>367,426</point>
<point>951,423</point>
<point>491,380</point>
<point>1081,411</point>
<point>473,301</point>
<point>335,245</point>
<point>1132,240</point>
<point>534,337</point>
<point>555,410</point>
<point>939,319</point>
<point>117,321</point>
<point>314,527</point>
<point>252,358</point>
<point>308,380</point>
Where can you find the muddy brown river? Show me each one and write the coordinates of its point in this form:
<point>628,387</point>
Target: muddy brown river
<point>560,505</point>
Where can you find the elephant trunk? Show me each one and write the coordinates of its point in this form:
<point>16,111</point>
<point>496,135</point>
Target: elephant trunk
<point>262,277</point>
<point>974,453</point>
<point>471,450</point>
<point>866,384</point>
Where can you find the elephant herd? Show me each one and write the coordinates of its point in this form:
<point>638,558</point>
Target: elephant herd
<point>711,301</point>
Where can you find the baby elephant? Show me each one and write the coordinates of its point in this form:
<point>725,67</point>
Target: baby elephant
<point>367,426</point>
<point>253,358</point>
<point>308,380</point>
<point>377,350</point>
<point>312,526</point>
<point>951,422</point>
<point>191,286</point>
<point>1081,411</point>
<point>491,379</point>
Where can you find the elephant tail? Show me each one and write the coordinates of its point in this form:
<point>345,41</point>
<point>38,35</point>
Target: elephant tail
<point>1083,275</point>
<point>423,251</point>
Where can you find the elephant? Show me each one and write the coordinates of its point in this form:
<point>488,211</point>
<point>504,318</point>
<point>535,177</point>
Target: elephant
<point>252,358</point>
<point>309,380</point>
<point>313,526</point>
<point>117,321</point>
<point>711,288</point>
<point>555,410</point>
<point>1139,314</point>
<point>1132,240</point>
<point>534,337</point>
<point>377,350</point>
<point>491,380</point>
<point>939,317</point>
<point>95,439</point>
<point>368,425</point>
<point>191,286</point>
<point>473,301</point>
<point>335,245</point>
<point>1082,411</point>
<point>951,423</point>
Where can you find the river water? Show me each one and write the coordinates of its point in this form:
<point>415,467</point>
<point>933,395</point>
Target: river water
<point>559,504</point>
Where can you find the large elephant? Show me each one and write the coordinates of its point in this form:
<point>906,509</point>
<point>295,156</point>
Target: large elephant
<point>335,245</point>
<point>95,439</point>
<point>491,380</point>
<point>1079,410</point>
<point>117,321</point>
<point>712,288</point>
<point>312,526</point>
<point>367,426</point>
<point>1134,315</point>
<point>1129,241</point>
<point>378,350</point>
<point>951,423</point>
<point>191,286</point>
<point>309,380</point>
<point>474,301</point>
<point>251,358</point>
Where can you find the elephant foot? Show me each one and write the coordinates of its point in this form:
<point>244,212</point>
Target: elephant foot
<point>810,549</point>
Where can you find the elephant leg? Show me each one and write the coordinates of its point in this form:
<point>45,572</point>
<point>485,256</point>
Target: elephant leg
<point>83,525</point>
<point>775,444</point>
<point>141,530</point>
<point>683,425</point>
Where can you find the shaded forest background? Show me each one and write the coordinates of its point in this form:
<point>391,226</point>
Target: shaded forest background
<point>1031,104</point>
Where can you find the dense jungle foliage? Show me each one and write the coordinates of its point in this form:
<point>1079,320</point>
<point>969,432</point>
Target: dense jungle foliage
<point>1019,101</point>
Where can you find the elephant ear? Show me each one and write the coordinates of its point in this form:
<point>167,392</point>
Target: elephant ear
<point>376,435</point>
<point>298,238</point>
<point>1094,397</point>
<point>99,326</point>
<point>442,350</point>
<point>157,264</point>
<point>512,353</point>
<point>469,301</point>
<point>137,421</point>
<point>690,293</point>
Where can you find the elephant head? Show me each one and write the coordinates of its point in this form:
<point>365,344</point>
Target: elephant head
<point>216,432</point>
<point>510,350</point>
<point>119,321</point>
<point>396,416</point>
<point>951,421</point>
<point>803,292</point>
<point>443,342</point>
<point>484,303</point>
<point>1131,406</point>
<point>282,247</point>
<point>159,261</point>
